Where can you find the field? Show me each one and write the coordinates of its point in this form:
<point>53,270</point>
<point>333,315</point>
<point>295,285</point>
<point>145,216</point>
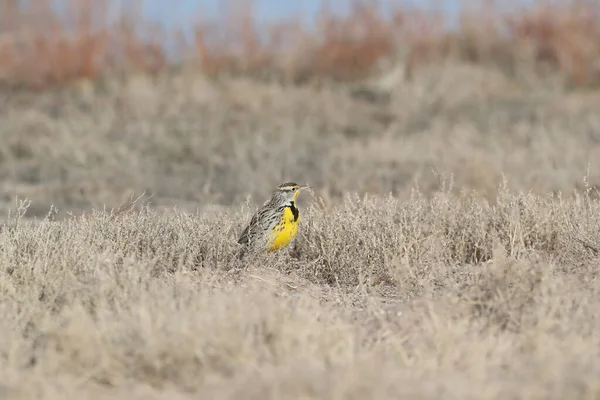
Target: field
<point>449,247</point>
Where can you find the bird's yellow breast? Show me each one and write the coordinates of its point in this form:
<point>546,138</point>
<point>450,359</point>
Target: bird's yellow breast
<point>285,231</point>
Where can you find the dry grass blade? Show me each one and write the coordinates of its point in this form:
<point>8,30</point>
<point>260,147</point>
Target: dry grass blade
<point>588,245</point>
<point>127,207</point>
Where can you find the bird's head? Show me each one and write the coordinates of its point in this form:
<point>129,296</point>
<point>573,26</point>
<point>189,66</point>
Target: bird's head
<point>289,191</point>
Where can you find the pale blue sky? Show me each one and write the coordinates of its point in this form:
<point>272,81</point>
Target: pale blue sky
<point>185,14</point>
<point>179,10</point>
<point>182,14</point>
<point>170,12</point>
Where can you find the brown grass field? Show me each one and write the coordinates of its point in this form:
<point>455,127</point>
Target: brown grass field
<point>449,248</point>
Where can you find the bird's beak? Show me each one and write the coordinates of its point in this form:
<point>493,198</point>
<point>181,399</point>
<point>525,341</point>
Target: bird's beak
<point>302,188</point>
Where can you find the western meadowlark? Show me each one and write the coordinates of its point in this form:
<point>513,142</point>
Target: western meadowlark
<point>275,224</point>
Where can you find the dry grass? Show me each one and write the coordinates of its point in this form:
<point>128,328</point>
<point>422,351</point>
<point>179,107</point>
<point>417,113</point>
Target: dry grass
<point>442,298</point>
<point>192,142</point>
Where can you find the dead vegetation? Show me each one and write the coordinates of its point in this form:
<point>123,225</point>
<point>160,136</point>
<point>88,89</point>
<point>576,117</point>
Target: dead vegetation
<point>380,298</point>
<point>41,47</point>
<point>190,143</point>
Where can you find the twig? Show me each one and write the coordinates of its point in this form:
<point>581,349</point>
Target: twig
<point>588,246</point>
<point>124,208</point>
<point>271,283</point>
<point>261,279</point>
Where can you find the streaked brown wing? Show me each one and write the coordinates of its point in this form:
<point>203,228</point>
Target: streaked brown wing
<point>244,238</point>
<point>249,230</point>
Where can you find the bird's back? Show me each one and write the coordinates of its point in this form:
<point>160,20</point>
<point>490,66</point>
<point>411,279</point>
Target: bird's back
<point>262,222</point>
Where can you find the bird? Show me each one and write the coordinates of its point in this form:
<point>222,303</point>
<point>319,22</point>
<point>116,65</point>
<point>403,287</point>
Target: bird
<point>275,225</point>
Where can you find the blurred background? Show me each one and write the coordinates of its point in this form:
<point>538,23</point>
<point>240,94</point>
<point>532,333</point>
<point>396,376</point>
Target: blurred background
<point>203,103</point>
